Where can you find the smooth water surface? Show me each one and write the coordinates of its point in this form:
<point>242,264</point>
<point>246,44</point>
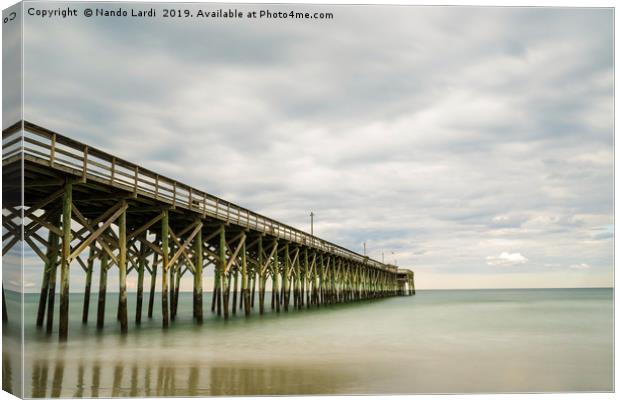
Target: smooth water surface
<point>448,341</point>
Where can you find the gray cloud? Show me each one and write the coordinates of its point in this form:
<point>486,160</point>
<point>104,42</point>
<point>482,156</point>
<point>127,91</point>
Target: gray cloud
<point>446,135</point>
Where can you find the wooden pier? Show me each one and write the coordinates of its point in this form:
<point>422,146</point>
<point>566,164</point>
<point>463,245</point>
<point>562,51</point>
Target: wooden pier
<point>85,208</point>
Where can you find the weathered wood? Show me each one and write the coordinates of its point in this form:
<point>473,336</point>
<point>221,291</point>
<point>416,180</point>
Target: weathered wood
<point>145,227</point>
<point>235,284</point>
<point>164,270</point>
<point>120,209</point>
<point>245,291</point>
<point>177,288</point>
<point>184,246</point>
<point>153,282</point>
<point>89,278</point>
<point>100,238</point>
<point>261,277</point>
<point>140,288</point>
<point>216,285</point>
<point>52,257</point>
<point>275,299</point>
<point>223,276</point>
<point>253,285</point>
<point>103,283</point>
<point>122,268</point>
<point>198,277</point>
<point>285,276</point>
<point>172,277</point>
<point>338,276</point>
<point>63,328</point>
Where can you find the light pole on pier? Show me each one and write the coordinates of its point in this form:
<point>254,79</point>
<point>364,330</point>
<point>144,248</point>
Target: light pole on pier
<point>311,223</point>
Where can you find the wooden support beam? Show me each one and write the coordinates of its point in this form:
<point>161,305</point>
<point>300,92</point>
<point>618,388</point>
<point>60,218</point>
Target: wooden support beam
<point>185,245</point>
<point>285,276</point>
<point>144,227</point>
<point>245,292</point>
<point>103,283</point>
<point>233,257</point>
<point>223,276</point>
<point>45,201</point>
<point>216,298</point>
<point>153,282</point>
<point>140,289</point>
<point>122,267</point>
<point>89,278</point>
<point>45,224</point>
<point>235,274</point>
<point>275,273</point>
<point>63,329</point>
<point>104,240</point>
<point>261,277</point>
<point>150,245</point>
<point>198,276</point>
<point>120,210</point>
<point>53,267</point>
<point>177,286</point>
<point>164,270</point>
<point>50,267</point>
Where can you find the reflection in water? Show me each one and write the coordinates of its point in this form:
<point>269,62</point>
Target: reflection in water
<point>170,380</point>
<point>7,374</point>
<point>354,349</point>
<point>94,387</point>
<point>59,370</point>
<point>79,390</point>
<point>39,379</point>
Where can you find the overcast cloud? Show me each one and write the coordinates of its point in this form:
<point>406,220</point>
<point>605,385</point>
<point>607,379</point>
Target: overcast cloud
<point>474,145</point>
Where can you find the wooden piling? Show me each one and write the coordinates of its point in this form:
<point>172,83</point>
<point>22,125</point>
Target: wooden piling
<point>198,277</point>
<point>44,289</point>
<point>216,282</point>
<point>49,271</point>
<point>261,277</point>
<point>63,328</point>
<point>285,276</point>
<point>164,270</point>
<point>253,285</point>
<point>177,287</point>
<point>89,278</point>
<point>308,269</point>
<point>153,282</point>
<point>140,289</point>
<point>235,284</point>
<point>172,277</point>
<point>122,268</point>
<point>223,274</point>
<point>275,300</point>
<point>103,280</point>
<point>245,291</point>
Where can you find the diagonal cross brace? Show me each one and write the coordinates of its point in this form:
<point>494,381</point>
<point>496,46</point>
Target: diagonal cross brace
<point>183,247</point>
<point>121,207</point>
<point>234,256</point>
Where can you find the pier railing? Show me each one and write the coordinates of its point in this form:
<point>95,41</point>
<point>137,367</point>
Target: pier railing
<point>51,149</point>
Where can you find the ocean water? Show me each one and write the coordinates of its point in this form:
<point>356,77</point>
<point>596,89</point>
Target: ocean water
<point>442,341</point>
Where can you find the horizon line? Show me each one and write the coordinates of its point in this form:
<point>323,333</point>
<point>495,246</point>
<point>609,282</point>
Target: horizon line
<point>417,290</point>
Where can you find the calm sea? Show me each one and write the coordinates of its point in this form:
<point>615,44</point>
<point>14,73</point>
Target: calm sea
<point>443,341</point>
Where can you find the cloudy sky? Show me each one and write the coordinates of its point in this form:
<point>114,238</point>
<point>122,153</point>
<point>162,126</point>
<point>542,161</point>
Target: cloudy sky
<point>474,145</point>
